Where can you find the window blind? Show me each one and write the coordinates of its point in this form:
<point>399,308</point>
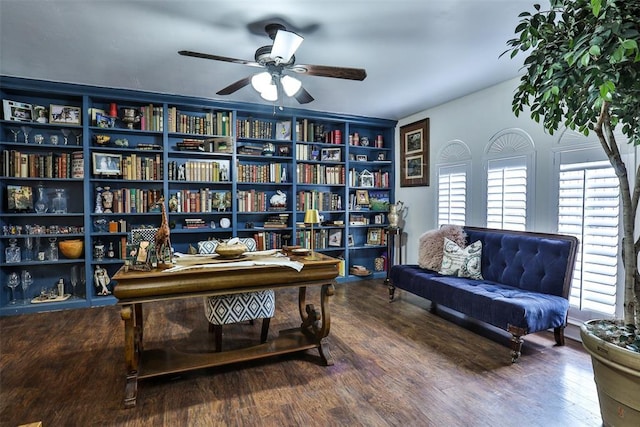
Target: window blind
<point>589,208</point>
<point>452,195</point>
<point>507,194</point>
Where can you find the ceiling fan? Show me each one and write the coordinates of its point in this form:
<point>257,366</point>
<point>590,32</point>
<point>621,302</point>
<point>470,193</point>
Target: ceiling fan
<point>278,60</point>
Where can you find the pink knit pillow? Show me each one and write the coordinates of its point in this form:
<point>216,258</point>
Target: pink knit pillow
<point>431,244</point>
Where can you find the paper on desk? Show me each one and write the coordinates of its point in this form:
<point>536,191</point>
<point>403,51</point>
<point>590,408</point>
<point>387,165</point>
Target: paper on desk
<point>270,257</point>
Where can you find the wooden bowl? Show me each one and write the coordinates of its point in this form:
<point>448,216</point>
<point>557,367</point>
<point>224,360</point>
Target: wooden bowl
<point>71,249</point>
<point>230,251</point>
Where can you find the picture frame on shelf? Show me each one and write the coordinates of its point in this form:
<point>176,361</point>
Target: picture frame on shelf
<point>379,200</point>
<point>331,154</point>
<point>366,179</point>
<point>414,154</point>
<point>374,236</point>
<point>104,121</point>
<point>40,114</point>
<point>381,156</point>
<point>65,114</point>
<point>335,237</point>
<point>361,158</point>
<point>362,197</point>
<point>93,112</point>
<point>107,164</point>
<point>283,130</point>
<point>284,151</point>
<point>350,240</point>
<point>19,198</point>
<point>17,111</point>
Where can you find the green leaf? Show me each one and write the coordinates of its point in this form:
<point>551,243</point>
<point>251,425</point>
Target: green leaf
<point>584,60</point>
<point>596,5</point>
<point>629,44</point>
<point>594,50</point>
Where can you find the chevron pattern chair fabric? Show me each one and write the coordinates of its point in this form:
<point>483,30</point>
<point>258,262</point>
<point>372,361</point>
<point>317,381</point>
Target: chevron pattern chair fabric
<point>233,308</point>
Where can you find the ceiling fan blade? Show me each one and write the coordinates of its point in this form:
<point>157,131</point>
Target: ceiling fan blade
<point>303,97</point>
<point>235,86</point>
<point>218,58</point>
<point>327,71</point>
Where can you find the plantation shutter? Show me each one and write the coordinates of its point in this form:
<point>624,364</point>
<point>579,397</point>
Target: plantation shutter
<point>507,194</point>
<point>452,195</point>
<point>589,208</point>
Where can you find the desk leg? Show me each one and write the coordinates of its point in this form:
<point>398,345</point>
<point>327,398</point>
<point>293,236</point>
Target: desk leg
<point>317,323</point>
<point>131,353</point>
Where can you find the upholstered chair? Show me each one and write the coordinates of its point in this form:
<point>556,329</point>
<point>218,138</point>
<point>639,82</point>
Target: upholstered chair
<point>233,308</point>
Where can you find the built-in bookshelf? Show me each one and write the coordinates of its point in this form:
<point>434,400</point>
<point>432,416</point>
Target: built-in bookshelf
<point>222,170</point>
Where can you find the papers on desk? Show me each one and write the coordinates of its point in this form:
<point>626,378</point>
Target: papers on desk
<point>248,259</point>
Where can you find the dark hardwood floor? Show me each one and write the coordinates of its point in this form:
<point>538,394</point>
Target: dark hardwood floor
<point>395,365</point>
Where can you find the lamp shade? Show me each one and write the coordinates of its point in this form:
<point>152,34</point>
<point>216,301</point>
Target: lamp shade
<point>285,45</point>
<point>270,93</point>
<point>260,81</point>
<point>291,85</point>
<point>312,216</point>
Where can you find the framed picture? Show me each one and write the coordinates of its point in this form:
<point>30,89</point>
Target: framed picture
<point>331,154</point>
<point>19,198</point>
<point>107,164</point>
<point>17,111</point>
<point>65,114</point>
<point>350,240</point>
<point>283,150</point>
<point>379,200</point>
<point>362,197</point>
<point>414,154</point>
<point>362,158</point>
<point>374,236</point>
<point>366,179</point>
<point>315,154</point>
<point>381,156</point>
<point>335,238</point>
<point>283,130</point>
<point>104,121</point>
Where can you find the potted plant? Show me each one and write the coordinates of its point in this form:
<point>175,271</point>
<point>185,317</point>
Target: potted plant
<point>583,71</point>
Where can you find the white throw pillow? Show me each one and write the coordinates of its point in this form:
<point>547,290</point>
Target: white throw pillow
<point>462,262</point>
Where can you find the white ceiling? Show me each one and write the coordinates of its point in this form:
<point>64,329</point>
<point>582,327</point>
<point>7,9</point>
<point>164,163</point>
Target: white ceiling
<point>417,53</point>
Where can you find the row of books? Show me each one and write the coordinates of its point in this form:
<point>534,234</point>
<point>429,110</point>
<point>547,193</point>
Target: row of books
<point>136,167</point>
<point>135,200</point>
<point>252,201</point>
<point>202,200</point>
<point>266,240</point>
<point>322,238</point>
<point>380,179</point>
<point>208,123</point>
<point>254,128</point>
<point>51,165</point>
<point>308,131</point>
<point>152,118</point>
<point>324,201</point>
<point>272,172</point>
<point>320,174</point>
<point>206,171</point>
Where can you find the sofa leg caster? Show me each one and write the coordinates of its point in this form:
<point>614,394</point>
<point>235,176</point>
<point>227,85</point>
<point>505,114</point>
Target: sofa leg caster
<point>516,347</point>
<point>392,291</point>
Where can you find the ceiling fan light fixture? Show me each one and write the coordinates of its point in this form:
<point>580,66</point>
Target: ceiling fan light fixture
<point>261,81</point>
<point>270,93</point>
<point>291,85</point>
<point>285,45</point>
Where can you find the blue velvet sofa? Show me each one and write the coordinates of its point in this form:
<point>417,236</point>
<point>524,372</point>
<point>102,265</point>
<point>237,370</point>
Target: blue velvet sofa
<point>525,286</point>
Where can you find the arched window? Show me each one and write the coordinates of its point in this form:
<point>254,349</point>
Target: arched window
<point>453,169</point>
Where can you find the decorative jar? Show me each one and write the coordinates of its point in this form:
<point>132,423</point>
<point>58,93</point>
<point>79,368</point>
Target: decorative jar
<point>59,202</point>
<point>12,252</point>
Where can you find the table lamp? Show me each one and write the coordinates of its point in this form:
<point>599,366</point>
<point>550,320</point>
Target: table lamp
<point>312,216</point>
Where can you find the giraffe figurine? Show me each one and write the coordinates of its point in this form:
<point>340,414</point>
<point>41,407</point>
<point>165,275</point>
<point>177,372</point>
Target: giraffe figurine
<point>161,239</point>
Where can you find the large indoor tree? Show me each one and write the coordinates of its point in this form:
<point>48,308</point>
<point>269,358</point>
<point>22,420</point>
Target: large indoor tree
<point>582,72</point>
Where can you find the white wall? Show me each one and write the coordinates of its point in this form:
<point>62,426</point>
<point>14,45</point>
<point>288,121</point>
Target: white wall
<point>474,119</point>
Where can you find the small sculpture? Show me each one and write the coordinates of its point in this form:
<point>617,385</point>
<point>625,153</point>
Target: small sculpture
<point>101,280</point>
<point>161,240</point>
<point>278,200</point>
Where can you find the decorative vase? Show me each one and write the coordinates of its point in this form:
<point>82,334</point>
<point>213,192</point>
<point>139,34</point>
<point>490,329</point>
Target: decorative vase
<point>42,202</point>
<point>107,200</point>
<point>59,203</point>
<point>12,252</point>
<point>395,213</point>
<point>617,375</point>
<point>52,250</point>
<point>98,208</point>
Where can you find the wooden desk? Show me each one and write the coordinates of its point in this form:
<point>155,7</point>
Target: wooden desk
<point>134,288</point>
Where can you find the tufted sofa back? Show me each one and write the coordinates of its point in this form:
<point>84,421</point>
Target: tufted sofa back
<point>537,262</point>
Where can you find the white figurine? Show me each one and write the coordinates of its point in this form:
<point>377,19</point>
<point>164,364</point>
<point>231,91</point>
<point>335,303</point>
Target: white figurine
<point>101,280</point>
